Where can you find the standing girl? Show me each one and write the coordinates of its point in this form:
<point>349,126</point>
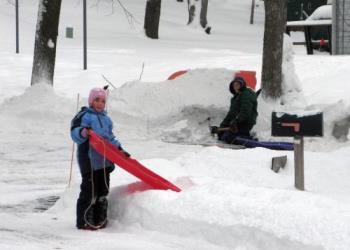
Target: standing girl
<point>92,203</point>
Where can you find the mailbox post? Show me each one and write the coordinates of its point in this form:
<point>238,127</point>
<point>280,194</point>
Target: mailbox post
<point>299,162</point>
<point>297,126</point>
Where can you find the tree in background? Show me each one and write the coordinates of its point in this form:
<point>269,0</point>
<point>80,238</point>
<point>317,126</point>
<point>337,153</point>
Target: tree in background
<point>152,16</point>
<point>275,24</point>
<point>46,41</point>
<point>193,9</point>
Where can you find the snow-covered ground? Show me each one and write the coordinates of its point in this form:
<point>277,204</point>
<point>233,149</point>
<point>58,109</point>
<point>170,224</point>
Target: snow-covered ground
<point>230,199</point>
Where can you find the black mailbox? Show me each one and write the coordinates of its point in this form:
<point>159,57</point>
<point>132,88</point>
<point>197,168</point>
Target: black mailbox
<point>292,125</point>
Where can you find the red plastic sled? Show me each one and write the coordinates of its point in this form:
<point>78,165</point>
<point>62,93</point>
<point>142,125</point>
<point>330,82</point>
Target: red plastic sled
<point>248,76</point>
<point>130,165</point>
<point>176,74</point>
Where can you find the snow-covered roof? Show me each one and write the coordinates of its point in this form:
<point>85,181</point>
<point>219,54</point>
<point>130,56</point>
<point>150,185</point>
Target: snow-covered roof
<point>310,23</point>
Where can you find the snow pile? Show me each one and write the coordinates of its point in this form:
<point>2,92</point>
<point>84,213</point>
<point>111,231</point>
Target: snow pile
<point>292,92</point>
<point>179,108</point>
<point>157,100</point>
<point>235,195</point>
<point>336,122</point>
<point>257,218</point>
<point>38,103</point>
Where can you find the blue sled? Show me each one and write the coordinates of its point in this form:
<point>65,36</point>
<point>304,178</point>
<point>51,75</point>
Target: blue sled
<point>249,143</point>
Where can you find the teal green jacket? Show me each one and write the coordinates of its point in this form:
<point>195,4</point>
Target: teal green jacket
<point>243,110</point>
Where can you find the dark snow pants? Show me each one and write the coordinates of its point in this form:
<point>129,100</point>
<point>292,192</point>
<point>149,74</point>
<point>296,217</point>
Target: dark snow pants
<point>229,137</point>
<point>92,202</point>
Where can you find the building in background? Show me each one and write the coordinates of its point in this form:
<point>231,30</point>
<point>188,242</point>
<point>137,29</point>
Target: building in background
<point>301,9</point>
<point>341,27</point>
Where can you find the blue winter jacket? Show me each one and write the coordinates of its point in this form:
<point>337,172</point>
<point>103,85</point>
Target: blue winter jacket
<point>102,125</point>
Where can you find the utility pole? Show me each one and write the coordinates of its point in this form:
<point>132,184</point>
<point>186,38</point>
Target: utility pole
<point>85,29</point>
<point>17,29</point>
<point>252,12</point>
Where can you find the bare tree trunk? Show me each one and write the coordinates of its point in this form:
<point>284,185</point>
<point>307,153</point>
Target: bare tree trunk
<point>46,41</point>
<point>152,16</point>
<point>203,16</point>
<point>275,23</point>
<point>193,12</point>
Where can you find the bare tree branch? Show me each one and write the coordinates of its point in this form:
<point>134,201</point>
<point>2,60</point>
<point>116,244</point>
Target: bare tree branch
<point>12,2</point>
<point>131,19</point>
<point>129,16</point>
<point>108,81</point>
<point>143,66</point>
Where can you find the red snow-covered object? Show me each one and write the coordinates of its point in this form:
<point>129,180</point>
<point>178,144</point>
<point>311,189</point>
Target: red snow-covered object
<point>177,74</point>
<point>130,165</point>
<point>248,76</point>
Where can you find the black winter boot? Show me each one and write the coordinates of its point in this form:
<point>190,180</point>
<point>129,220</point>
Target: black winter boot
<point>101,208</point>
<point>88,221</point>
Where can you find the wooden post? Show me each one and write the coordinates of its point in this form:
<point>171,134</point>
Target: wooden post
<point>73,150</point>
<point>299,162</point>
